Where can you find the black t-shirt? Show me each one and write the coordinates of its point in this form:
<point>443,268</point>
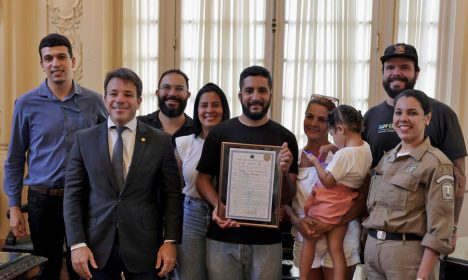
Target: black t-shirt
<point>153,120</point>
<point>233,130</point>
<point>444,131</point>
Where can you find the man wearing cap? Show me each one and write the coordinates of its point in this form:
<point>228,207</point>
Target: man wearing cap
<point>400,71</point>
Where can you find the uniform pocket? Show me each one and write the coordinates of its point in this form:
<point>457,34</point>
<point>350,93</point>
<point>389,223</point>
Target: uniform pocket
<point>406,181</point>
<point>394,194</point>
<point>408,185</point>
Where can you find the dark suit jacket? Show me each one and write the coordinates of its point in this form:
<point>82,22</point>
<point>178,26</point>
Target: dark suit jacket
<point>94,208</point>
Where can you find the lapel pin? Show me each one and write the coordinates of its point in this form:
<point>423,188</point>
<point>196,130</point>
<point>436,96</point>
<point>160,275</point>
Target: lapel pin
<point>143,139</point>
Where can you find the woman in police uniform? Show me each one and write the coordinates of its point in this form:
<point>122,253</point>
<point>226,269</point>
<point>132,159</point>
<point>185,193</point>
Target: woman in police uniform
<point>411,199</point>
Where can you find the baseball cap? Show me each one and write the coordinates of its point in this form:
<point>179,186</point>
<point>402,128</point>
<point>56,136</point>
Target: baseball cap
<point>400,50</point>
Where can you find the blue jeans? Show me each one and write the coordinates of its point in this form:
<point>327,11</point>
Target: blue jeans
<point>233,261</point>
<point>191,254</point>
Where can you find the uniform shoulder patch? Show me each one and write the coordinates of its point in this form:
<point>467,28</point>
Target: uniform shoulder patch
<point>448,193</point>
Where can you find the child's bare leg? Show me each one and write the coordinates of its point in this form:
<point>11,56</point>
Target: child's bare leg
<point>328,273</point>
<point>307,257</point>
<point>335,239</point>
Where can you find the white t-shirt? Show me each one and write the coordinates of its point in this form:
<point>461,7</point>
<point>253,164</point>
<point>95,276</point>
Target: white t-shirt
<point>189,149</point>
<point>350,165</point>
<point>306,180</point>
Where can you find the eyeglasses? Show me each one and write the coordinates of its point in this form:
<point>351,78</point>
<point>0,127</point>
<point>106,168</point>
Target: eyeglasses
<point>325,98</point>
<point>177,88</point>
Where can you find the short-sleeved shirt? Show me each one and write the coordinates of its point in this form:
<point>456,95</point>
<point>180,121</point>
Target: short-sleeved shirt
<point>306,181</point>
<point>350,165</point>
<point>189,148</point>
<point>414,193</point>
<point>444,131</point>
<point>233,130</point>
<point>153,120</point>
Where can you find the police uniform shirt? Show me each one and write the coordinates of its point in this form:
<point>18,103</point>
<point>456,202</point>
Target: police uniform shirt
<point>414,193</point>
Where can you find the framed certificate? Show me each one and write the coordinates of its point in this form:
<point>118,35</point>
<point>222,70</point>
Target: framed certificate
<point>250,184</point>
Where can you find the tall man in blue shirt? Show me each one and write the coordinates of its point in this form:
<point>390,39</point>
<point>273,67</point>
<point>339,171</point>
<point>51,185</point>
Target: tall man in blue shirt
<point>45,120</point>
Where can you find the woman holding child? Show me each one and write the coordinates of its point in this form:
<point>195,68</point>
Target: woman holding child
<point>316,130</point>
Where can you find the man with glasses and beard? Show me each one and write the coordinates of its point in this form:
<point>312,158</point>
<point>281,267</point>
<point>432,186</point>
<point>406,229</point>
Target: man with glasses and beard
<point>173,93</point>
<point>400,71</point>
<point>244,252</point>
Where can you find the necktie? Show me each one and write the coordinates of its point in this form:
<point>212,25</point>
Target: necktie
<point>117,157</point>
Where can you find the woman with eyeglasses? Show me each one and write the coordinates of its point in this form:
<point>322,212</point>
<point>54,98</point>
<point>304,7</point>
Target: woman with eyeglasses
<point>210,109</point>
<point>411,199</point>
<point>315,128</point>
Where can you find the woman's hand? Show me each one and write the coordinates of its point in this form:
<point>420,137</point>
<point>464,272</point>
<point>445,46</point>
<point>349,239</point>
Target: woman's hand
<point>305,227</point>
<point>319,227</point>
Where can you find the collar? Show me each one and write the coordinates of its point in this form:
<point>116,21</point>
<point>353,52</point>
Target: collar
<point>45,91</point>
<point>388,106</point>
<point>416,153</point>
<point>155,117</point>
<point>131,125</point>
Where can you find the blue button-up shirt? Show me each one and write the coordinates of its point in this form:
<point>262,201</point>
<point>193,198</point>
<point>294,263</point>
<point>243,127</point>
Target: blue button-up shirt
<point>42,134</point>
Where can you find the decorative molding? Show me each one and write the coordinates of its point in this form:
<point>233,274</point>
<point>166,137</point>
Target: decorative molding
<point>68,25</point>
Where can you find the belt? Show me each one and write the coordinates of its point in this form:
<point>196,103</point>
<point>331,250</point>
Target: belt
<point>47,191</point>
<point>195,199</point>
<point>382,235</point>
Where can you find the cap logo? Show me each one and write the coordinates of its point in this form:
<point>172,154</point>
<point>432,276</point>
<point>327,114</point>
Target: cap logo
<point>399,49</point>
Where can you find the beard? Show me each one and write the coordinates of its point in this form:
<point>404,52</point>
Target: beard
<point>409,84</point>
<point>172,112</point>
<point>257,115</point>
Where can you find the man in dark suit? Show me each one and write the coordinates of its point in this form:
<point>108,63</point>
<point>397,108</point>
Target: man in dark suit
<point>114,217</point>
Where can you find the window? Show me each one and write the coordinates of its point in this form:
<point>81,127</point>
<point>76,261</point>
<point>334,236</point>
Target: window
<point>218,40</point>
<point>318,46</point>
<point>418,25</point>
<point>326,51</point>
<point>140,47</point>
